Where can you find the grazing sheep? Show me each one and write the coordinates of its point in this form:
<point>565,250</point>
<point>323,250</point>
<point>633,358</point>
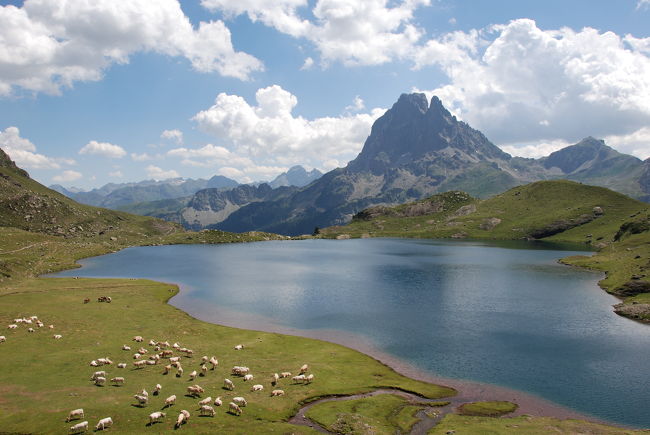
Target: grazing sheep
<point>207,410</point>
<point>57,336</point>
<point>240,401</point>
<point>234,409</point>
<point>171,400</point>
<point>228,385</point>
<point>50,326</point>
<point>205,401</point>
<point>176,346</point>
<point>75,414</point>
<point>204,370</point>
<point>30,330</point>
<point>20,320</point>
<point>174,359</point>
<point>179,372</point>
<point>214,362</point>
<point>138,338</point>
<point>183,417</point>
<point>240,370</point>
<point>309,379</point>
<point>189,353</point>
<point>156,389</point>
<point>28,321</point>
<point>118,380</point>
<point>163,344</point>
<point>218,402</point>
<point>125,347</point>
<point>143,392</point>
<point>204,359</point>
<point>176,364</point>
<point>139,364</point>
<point>152,343</point>
<point>100,381</point>
<point>193,375</point>
<point>94,363</point>
<point>299,378</point>
<point>248,377</point>
<point>304,369</point>
<point>275,393</point>
<point>285,374</point>
<point>142,351</point>
<point>151,362</point>
<point>194,390</point>
<point>121,366</point>
<point>155,417</point>
<point>166,353</point>
<point>104,423</point>
<point>257,387</point>
<point>98,374</point>
<point>239,347</point>
<point>3,338</point>
<point>275,378</point>
<point>168,368</point>
<point>79,427</point>
<point>105,361</point>
<point>40,324</point>
<point>12,326</point>
<point>142,400</point>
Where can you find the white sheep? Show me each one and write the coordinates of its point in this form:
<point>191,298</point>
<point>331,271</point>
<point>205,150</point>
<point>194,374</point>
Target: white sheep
<point>174,359</point>
<point>142,351</point>
<point>176,346</point>
<point>98,374</point>
<point>137,338</point>
<point>248,377</point>
<point>156,417</point>
<point>204,370</point>
<point>205,401</point>
<point>183,417</point>
<point>75,414</point>
<point>179,372</point>
<point>207,410</point>
<point>139,364</point>
<point>100,381</point>
<point>299,378</point>
<point>275,393</point>
<point>50,326</point>
<point>234,409</point>
<point>214,362</point>
<point>228,385</point>
<point>142,400</point>
<point>257,387</point>
<point>194,390</point>
<point>12,326</point>
<point>57,336</point>
<point>204,359</point>
<point>171,400</point>
<point>167,369</point>
<point>125,347</point>
<point>30,330</point>
<point>275,378</point>
<point>218,402</point>
<point>152,343</point>
<point>239,347</point>
<point>309,379</point>
<point>156,389</point>
<point>104,423</point>
<point>193,375</point>
<point>79,427</point>
<point>304,369</point>
<point>240,401</point>
<point>3,338</point>
<point>121,366</point>
<point>94,363</point>
<point>118,380</point>
<point>285,374</point>
<point>150,362</point>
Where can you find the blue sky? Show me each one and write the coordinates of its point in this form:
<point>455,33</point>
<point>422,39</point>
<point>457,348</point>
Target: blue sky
<point>135,89</point>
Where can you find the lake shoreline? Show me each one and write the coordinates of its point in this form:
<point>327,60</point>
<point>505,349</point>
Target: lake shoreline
<point>467,390</point>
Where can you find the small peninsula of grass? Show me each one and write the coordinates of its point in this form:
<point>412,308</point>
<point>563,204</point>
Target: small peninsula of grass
<point>487,409</point>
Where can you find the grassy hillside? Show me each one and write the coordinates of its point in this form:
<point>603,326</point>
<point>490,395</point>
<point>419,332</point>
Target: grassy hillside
<point>561,211</point>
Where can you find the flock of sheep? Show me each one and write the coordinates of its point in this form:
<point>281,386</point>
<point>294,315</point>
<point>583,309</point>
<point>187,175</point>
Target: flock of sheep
<point>159,351</point>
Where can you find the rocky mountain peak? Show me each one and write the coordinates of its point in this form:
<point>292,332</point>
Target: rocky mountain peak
<point>588,151</point>
<point>644,181</point>
<point>6,162</point>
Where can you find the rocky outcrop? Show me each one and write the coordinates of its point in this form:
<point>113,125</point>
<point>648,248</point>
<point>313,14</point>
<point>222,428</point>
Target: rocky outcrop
<point>6,162</point>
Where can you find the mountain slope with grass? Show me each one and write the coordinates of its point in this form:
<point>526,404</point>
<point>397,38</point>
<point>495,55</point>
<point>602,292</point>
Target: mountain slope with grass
<point>616,226</point>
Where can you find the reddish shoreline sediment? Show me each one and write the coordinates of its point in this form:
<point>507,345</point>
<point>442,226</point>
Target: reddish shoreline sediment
<point>468,391</point>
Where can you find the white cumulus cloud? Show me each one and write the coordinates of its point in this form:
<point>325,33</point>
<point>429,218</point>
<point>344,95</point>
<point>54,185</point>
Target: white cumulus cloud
<point>160,174</point>
<point>368,32</point>
<point>67,176</point>
<point>268,134</point>
<point>173,135</point>
<point>49,44</point>
<point>103,149</point>
<point>23,152</point>
<point>521,84</point>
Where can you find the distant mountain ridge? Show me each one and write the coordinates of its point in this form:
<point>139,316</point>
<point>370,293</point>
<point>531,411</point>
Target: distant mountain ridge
<point>295,176</point>
<point>417,149</point>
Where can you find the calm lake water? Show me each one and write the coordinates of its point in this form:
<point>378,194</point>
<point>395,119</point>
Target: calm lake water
<point>504,314</point>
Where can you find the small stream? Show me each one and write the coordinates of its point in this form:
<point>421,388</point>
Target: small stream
<point>428,417</point>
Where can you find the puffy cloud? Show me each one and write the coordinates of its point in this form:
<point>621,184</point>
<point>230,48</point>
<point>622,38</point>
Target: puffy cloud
<point>23,152</point>
<point>368,32</point>
<point>49,44</point>
<point>636,143</point>
<point>103,149</point>
<point>357,105</point>
<point>173,135</point>
<point>537,149</point>
<point>116,174</point>
<point>141,157</point>
<point>643,4</point>
<point>67,176</point>
<point>160,174</point>
<point>270,135</point>
<point>518,83</point>
<point>309,63</point>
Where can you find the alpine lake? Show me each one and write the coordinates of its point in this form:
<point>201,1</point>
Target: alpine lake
<point>503,313</point>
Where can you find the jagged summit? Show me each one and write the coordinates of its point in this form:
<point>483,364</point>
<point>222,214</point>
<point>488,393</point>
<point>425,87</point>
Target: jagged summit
<point>412,129</point>
<point>6,162</point>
